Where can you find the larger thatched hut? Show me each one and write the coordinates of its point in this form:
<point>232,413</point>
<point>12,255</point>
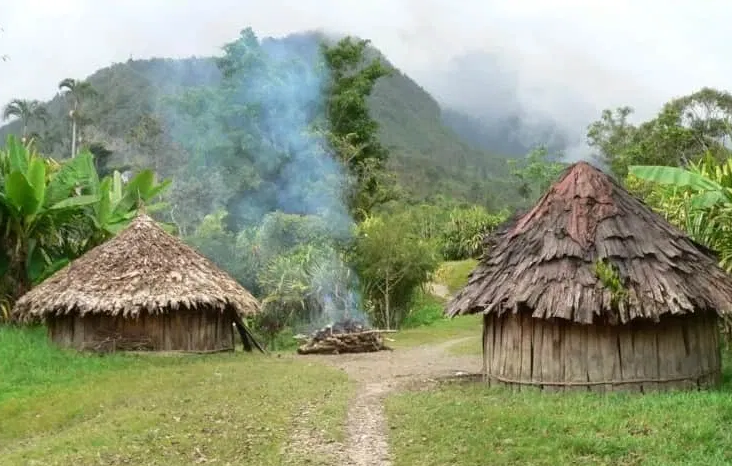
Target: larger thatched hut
<point>144,290</point>
<point>592,290</point>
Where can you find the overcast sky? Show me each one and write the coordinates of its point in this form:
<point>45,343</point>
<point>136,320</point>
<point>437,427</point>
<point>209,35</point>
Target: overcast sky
<point>606,53</point>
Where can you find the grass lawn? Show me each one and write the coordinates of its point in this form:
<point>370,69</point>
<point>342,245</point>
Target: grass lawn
<point>439,331</point>
<point>469,424</point>
<point>471,346</point>
<point>454,274</point>
<point>60,408</point>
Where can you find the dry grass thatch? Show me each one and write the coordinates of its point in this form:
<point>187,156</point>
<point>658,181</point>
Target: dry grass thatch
<point>590,252</point>
<point>142,269</point>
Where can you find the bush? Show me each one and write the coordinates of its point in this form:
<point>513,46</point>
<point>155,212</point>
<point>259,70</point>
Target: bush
<point>425,310</point>
<point>463,235</point>
<point>282,340</point>
<point>392,262</point>
<point>298,287</point>
<point>212,239</point>
<point>426,221</point>
<point>455,274</point>
<point>390,257</point>
<point>277,262</point>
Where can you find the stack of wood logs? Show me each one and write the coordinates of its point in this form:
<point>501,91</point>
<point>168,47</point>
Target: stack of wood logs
<point>343,337</point>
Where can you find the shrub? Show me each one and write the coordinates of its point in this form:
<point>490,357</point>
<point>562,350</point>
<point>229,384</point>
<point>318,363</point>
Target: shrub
<point>424,310</point>
<point>392,262</point>
<point>463,235</point>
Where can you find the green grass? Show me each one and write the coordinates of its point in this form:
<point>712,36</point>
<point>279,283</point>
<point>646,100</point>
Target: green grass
<point>63,408</point>
<point>28,363</point>
<point>454,274</point>
<point>439,331</point>
<point>470,346</point>
<point>425,310</point>
<point>471,424</point>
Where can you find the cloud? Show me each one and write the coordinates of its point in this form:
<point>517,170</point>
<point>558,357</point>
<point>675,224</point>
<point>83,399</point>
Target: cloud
<point>567,59</point>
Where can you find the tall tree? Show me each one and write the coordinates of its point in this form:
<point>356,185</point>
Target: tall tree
<point>51,213</point>
<point>266,119</point>
<point>37,207</point>
<point>612,138</point>
<point>77,91</point>
<point>535,173</point>
<point>353,132</point>
<point>27,111</point>
<point>697,199</point>
<point>683,131</point>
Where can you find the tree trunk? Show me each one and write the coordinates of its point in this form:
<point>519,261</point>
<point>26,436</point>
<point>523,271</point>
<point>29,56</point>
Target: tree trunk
<point>19,274</point>
<point>387,299</point>
<point>73,137</point>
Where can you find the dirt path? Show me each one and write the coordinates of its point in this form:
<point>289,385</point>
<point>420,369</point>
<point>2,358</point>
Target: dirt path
<point>378,374</point>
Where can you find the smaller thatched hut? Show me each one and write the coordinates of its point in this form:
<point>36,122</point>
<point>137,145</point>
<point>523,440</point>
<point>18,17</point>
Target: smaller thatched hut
<point>592,290</point>
<point>142,290</point>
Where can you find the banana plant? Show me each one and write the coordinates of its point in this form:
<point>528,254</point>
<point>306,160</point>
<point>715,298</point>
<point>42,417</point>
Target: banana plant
<point>36,203</point>
<point>120,202</point>
<point>697,199</point>
<point>709,183</point>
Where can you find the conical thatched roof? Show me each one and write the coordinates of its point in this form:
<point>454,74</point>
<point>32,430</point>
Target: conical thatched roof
<point>492,238</point>
<point>142,269</point>
<point>550,260</point>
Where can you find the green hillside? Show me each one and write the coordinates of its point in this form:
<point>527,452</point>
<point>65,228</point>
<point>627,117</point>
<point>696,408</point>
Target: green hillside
<point>428,157</point>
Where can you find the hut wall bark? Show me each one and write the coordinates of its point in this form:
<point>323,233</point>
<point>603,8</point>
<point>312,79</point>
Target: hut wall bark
<point>680,352</point>
<point>181,330</point>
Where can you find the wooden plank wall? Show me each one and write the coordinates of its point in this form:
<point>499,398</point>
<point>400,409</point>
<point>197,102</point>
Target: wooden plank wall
<point>677,353</point>
<point>178,331</point>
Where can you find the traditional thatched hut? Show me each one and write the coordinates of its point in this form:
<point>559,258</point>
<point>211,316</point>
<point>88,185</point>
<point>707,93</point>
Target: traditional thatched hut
<point>592,290</point>
<point>144,290</point>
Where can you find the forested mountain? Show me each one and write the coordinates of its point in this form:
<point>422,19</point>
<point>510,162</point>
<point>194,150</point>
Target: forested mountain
<point>428,156</point>
<point>503,136</point>
<point>297,165</point>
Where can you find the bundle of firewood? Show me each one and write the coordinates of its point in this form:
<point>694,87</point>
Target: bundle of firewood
<point>350,342</point>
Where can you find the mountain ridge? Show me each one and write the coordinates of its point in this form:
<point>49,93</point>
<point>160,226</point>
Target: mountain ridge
<point>430,152</point>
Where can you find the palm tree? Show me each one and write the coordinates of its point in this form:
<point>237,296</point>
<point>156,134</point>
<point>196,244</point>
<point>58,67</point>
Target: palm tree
<point>77,90</point>
<point>27,111</point>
